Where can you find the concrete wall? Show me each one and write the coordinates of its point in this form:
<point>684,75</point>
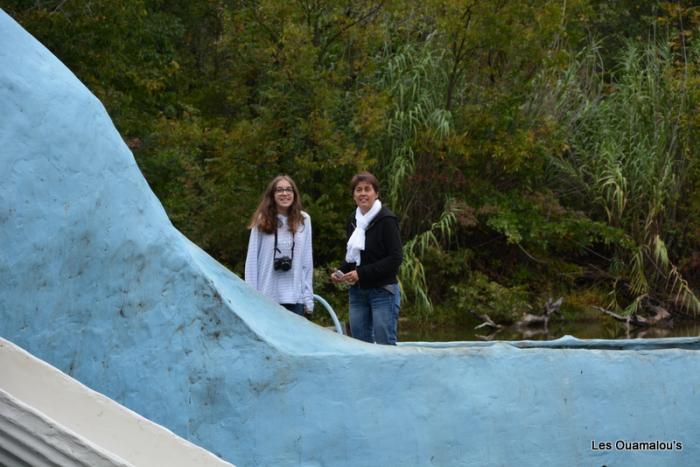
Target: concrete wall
<point>97,282</point>
<point>49,419</point>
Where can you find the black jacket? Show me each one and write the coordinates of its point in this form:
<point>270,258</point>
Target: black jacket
<point>382,256</point>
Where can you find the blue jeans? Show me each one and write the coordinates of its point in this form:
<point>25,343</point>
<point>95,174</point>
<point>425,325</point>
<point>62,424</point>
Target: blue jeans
<point>374,313</point>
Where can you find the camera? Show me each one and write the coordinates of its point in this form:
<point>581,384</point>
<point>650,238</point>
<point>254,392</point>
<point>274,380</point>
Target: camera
<point>283,263</point>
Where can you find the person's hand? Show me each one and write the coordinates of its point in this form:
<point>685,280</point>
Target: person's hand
<point>351,277</point>
<point>337,276</point>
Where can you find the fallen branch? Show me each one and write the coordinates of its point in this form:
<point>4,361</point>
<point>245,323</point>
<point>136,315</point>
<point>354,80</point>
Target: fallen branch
<point>530,320</point>
<point>624,319</point>
<point>661,315</point>
<point>487,321</point>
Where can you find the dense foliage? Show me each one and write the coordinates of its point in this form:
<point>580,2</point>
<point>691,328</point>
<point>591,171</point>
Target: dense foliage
<point>531,148</point>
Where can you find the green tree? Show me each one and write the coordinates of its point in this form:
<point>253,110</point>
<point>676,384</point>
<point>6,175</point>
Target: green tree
<point>630,151</point>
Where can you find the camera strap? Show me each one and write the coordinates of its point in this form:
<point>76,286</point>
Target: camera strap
<point>274,253</point>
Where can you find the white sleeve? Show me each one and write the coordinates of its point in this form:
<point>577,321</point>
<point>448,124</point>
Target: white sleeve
<point>251,260</point>
<point>307,267</point>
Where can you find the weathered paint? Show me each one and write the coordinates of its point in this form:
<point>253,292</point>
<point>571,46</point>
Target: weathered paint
<point>28,438</point>
<point>47,419</point>
<point>97,282</point>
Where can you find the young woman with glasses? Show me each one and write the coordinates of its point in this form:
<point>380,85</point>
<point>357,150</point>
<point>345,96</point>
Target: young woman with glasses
<point>279,263</point>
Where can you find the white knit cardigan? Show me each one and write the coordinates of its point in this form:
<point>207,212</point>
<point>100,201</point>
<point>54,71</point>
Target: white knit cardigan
<point>293,286</point>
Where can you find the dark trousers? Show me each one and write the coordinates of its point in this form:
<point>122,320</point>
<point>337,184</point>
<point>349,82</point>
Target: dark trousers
<point>297,308</point>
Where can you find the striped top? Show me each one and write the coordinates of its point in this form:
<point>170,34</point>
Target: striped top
<point>293,286</point>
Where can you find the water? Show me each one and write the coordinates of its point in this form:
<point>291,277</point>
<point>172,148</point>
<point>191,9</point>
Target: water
<point>595,329</point>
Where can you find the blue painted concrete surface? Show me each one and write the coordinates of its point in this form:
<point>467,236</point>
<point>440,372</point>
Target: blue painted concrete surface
<point>96,281</point>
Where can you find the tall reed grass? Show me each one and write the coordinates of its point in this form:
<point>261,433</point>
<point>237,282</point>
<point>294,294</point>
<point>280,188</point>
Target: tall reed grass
<point>627,159</point>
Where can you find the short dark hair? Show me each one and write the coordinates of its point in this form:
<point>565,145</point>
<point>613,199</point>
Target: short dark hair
<point>364,177</point>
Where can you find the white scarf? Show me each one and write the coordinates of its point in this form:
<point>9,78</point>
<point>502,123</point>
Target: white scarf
<point>356,243</point>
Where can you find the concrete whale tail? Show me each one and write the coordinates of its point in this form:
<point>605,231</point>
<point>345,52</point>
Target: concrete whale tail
<point>98,282</point>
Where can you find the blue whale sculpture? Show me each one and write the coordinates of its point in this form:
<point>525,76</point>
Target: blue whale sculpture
<point>95,280</point>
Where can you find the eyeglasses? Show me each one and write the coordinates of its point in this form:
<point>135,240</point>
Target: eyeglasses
<point>289,189</point>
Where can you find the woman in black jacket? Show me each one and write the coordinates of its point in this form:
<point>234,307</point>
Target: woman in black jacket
<point>372,264</point>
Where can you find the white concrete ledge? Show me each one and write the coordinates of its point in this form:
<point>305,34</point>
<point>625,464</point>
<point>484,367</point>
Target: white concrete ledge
<point>27,437</point>
<point>47,419</point>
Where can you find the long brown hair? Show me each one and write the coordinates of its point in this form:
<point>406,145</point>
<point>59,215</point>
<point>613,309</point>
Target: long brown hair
<point>265,216</point>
